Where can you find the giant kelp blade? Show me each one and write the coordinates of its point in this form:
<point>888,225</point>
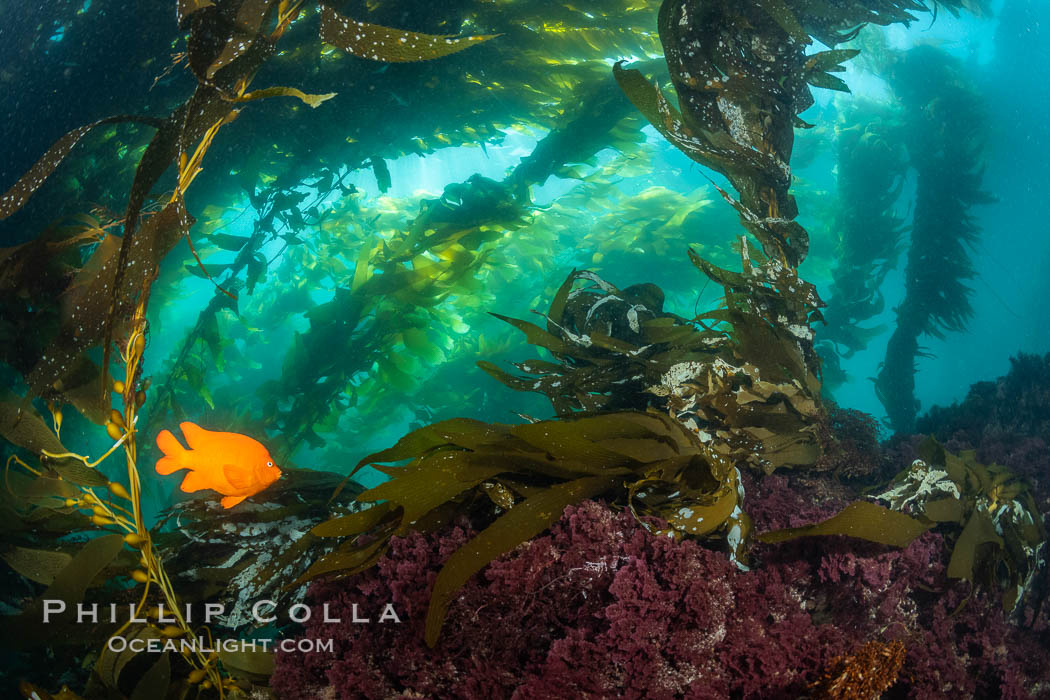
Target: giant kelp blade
<point>250,17</point>
<point>701,519</point>
<point>354,523</point>
<point>714,149</point>
<point>111,664</point>
<point>523,522</point>
<point>862,519</point>
<point>462,432</point>
<point>69,586</point>
<point>826,80</point>
<point>76,472</point>
<point>380,43</point>
<point>81,387</point>
<point>346,561</point>
<point>40,491</point>
<point>40,565</point>
<point>20,192</point>
<point>86,310</point>
<point>185,8</point>
<point>979,530</point>
<point>576,442</point>
<point>154,683</point>
<point>25,428</point>
<point>249,664</point>
<point>534,335</point>
<point>557,309</point>
<point>783,16</point>
<point>440,477</point>
<point>654,107</point>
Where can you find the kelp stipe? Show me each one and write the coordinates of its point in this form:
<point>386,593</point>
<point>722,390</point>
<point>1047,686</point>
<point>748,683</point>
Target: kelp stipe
<point>945,128</point>
<point>66,494</point>
<point>871,169</point>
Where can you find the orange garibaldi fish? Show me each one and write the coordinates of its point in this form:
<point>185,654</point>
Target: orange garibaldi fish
<point>235,465</point>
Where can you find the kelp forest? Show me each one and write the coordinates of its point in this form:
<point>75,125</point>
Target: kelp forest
<point>523,350</point>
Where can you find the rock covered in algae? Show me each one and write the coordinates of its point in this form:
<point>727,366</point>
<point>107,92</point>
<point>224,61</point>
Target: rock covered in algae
<point>600,607</point>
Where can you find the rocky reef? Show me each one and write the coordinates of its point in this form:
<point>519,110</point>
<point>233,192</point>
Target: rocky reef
<point>600,607</point>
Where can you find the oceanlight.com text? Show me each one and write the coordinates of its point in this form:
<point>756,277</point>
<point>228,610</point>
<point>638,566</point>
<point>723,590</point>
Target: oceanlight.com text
<point>156,646</point>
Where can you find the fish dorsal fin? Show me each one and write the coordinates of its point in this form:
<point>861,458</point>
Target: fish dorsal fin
<point>196,436</point>
<point>239,477</point>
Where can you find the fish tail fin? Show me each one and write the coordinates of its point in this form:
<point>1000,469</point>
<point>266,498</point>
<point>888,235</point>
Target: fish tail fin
<point>172,461</point>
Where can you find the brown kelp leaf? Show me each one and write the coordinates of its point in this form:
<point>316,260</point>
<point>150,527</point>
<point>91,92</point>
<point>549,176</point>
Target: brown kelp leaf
<point>38,565</point>
<point>26,428</point>
<point>86,308</point>
<point>714,149</point>
<point>228,241</point>
<point>440,477</point>
<point>82,386</point>
<point>69,586</point>
<point>154,683</point>
<point>521,523</point>
<point>979,530</point>
<point>831,60</point>
<point>382,173</point>
<point>783,16</point>
<point>250,16</point>
<point>13,200</point>
<point>252,665</point>
<point>534,335</point>
<point>76,472</point>
<point>944,510</point>
<point>862,519</point>
<point>461,432</point>
<point>185,8</point>
<point>354,523</point>
<point>40,490</point>
<point>827,81</point>
<point>577,442</point>
<point>701,519</point>
<point>346,561</point>
<point>380,43</point>
<point>313,101</point>
<point>111,664</point>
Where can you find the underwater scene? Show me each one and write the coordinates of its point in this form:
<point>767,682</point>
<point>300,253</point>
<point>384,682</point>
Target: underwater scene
<point>525,349</point>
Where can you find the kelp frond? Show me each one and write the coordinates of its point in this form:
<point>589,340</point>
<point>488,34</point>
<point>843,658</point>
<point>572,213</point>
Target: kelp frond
<point>528,474</point>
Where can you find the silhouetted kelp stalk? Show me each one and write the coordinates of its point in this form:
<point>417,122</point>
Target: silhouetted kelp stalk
<point>872,165</point>
<point>945,128</point>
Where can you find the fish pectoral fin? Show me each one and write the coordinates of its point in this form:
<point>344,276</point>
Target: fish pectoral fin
<point>194,481</point>
<point>231,501</point>
<point>239,477</point>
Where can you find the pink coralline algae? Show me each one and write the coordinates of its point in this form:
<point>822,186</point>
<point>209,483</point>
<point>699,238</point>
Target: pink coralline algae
<point>599,607</point>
